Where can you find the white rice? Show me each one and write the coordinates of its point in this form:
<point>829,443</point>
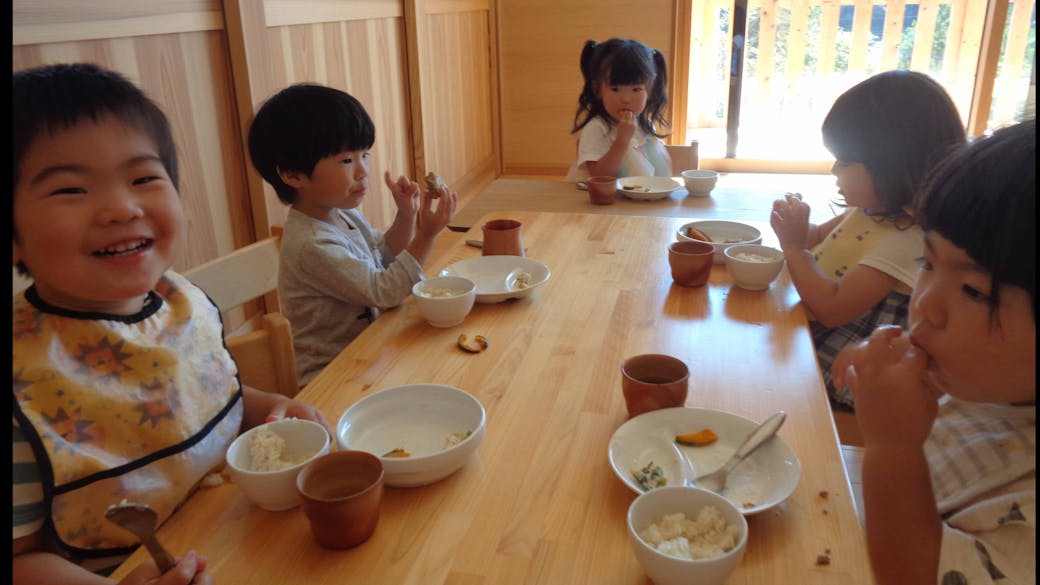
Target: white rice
<point>267,452</point>
<point>675,535</point>
<point>440,292</point>
<point>749,257</point>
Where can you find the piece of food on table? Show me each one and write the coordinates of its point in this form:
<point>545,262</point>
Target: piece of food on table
<point>398,452</point>
<point>699,439</point>
<point>650,476</point>
<point>479,343</point>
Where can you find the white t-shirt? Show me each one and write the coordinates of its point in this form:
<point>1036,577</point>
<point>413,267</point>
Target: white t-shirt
<point>646,157</point>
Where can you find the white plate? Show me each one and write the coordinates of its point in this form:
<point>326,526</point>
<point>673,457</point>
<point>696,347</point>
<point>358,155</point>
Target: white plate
<point>763,480</point>
<point>650,188</point>
<point>495,276</point>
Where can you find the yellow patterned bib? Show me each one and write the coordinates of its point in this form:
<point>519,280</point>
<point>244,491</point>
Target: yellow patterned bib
<point>849,242</point>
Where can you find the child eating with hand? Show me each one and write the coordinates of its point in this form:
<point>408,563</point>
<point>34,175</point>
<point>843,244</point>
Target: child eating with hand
<point>123,388</point>
<point>337,272</point>
<point>948,409</point>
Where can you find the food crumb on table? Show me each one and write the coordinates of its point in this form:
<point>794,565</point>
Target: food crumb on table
<point>824,494</point>
<point>822,560</point>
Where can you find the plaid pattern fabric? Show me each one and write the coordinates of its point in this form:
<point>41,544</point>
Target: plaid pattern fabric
<point>976,447</point>
<point>892,310</point>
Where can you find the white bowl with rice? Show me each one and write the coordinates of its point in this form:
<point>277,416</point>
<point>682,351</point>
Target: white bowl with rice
<point>265,460</point>
<point>753,267</point>
<point>684,535</point>
<point>444,301</point>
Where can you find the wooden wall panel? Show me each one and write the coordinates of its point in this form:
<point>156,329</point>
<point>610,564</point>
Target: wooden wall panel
<point>457,89</point>
<point>540,44</point>
<point>187,75</point>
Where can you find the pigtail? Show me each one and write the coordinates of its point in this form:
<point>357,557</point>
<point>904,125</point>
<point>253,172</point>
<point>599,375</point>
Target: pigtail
<point>587,101</point>
<point>655,106</point>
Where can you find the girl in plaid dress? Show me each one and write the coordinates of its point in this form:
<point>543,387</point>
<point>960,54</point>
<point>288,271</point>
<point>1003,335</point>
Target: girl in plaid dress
<point>855,272</point>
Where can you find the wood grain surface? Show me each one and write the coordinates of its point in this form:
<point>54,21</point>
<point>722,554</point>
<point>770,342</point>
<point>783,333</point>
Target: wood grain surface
<point>538,502</point>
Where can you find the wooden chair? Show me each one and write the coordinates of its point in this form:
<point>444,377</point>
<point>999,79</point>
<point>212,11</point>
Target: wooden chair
<point>683,157</point>
<point>265,355</point>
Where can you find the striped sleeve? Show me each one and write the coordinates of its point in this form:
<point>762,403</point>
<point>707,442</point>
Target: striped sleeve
<point>28,507</point>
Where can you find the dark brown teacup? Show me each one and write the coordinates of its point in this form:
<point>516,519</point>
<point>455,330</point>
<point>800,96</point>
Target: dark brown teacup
<point>502,238</point>
<point>602,189</point>
<point>691,262</point>
<point>653,381</point>
<point>341,493</point>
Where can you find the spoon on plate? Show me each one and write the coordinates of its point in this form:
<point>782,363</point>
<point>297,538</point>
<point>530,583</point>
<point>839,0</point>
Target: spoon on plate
<point>141,519</point>
<point>716,480</point>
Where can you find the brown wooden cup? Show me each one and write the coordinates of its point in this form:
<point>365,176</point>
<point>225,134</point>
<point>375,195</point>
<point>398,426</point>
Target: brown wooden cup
<point>602,189</point>
<point>341,493</point>
<point>691,262</point>
<point>502,238</point>
<point>653,381</point>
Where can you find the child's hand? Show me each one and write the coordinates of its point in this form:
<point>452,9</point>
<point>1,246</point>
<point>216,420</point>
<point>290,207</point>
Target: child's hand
<point>189,570</point>
<point>626,127</point>
<point>790,221</point>
<point>289,408</point>
<point>887,375</point>
<point>405,192</point>
<point>431,222</point>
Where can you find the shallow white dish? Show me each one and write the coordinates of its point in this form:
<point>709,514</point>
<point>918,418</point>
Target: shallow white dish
<point>418,418</point>
<point>723,234</point>
<point>763,480</point>
<point>496,276</point>
<point>649,188</point>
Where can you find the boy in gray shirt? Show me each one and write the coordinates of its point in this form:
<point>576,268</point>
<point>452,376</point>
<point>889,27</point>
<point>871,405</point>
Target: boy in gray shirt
<point>337,272</point>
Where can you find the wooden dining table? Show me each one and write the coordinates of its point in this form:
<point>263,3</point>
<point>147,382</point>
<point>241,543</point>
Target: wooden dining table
<point>736,196</point>
<point>538,502</point>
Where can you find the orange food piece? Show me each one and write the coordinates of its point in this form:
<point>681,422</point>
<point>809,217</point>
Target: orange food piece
<point>398,452</point>
<point>699,439</point>
<point>697,234</point>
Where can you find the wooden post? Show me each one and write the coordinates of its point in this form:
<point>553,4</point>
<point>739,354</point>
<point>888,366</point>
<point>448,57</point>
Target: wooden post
<point>736,73</point>
<point>986,71</point>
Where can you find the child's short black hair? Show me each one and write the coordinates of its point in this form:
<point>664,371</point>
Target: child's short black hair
<point>51,98</point>
<point>898,124</point>
<point>983,199</point>
<point>56,97</point>
<point>302,124</point>
<point>623,62</point>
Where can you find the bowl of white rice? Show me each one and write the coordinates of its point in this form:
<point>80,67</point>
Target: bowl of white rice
<point>753,267</point>
<point>683,535</point>
<point>265,460</point>
<point>444,301</point>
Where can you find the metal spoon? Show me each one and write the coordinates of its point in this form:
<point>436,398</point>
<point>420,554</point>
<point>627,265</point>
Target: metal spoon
<point>141,519</point>
<point>716,480</point>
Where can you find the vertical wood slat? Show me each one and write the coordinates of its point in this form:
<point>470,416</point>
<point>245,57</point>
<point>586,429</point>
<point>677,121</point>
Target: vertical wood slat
<point>954,34</point>
<point>1018,35</point>
<point>893,34</point>
<point>797,39</point>
<point>766,44</point>
<point>965,84</point>
<point>924,35</point>
<point>986,69</point>
<point>415,40</point>
<point>860,35</point>
<point>679,84</point>
<point>825,62</point>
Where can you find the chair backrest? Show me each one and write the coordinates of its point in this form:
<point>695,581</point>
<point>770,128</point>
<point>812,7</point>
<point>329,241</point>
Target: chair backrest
<point>683,157</point>
<point>264,356</point>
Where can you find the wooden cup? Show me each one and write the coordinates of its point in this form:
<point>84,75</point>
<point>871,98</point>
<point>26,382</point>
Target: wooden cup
<point>653,381</point>
<point>691,262</point>
<point>502,238</point>
<point>341,493</point>
<point>602,189</point>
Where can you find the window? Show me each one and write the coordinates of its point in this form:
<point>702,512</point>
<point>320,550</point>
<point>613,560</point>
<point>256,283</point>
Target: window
<point>799,55</point>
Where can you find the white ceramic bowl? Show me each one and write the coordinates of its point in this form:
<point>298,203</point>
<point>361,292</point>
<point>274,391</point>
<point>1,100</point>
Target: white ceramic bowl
<point>723,234</point>
<point>667,570</point>
<point>445,310</point>
<point>753,273</point>
<point>699,183</point>
<point>276,490</point>
<point>418,418</point>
